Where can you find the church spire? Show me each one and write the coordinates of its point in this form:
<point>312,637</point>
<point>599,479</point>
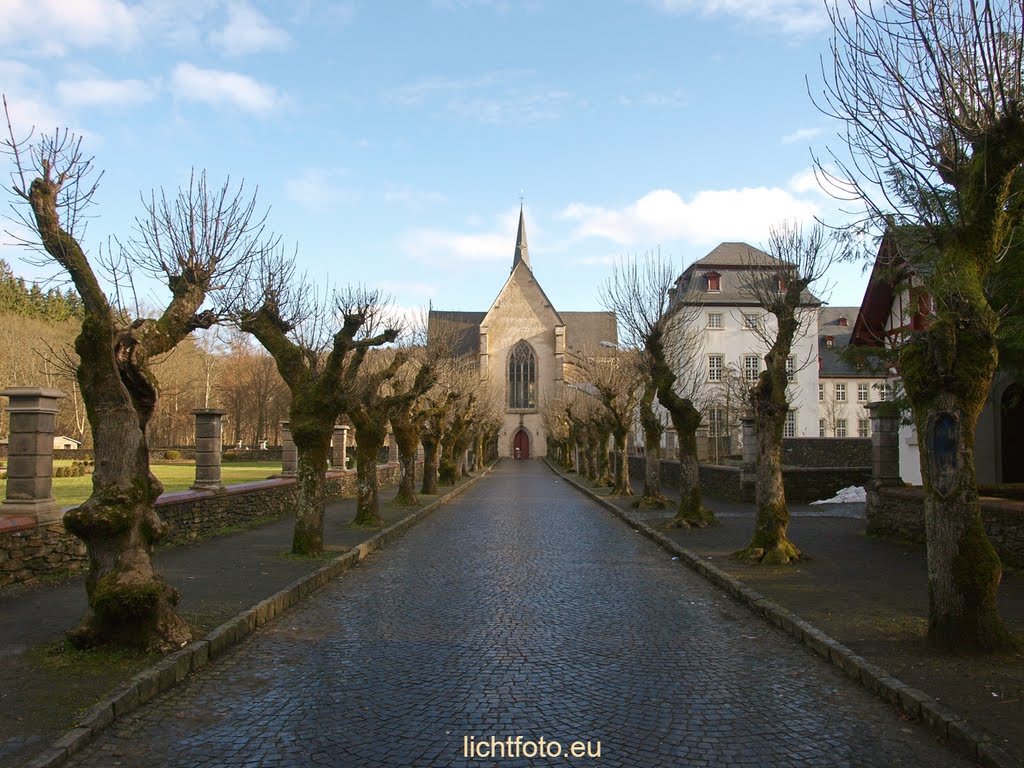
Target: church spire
<point>522,250</point>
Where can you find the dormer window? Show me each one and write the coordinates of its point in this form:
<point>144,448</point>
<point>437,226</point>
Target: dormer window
<point>842,322</point>
<point>714,281</point>
<point>782,285</point>
<point>829,341</point>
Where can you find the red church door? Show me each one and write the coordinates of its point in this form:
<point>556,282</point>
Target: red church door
<point>521,445</point>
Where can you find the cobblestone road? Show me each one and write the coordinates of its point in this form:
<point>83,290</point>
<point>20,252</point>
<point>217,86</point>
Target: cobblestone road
<point>520,609</point>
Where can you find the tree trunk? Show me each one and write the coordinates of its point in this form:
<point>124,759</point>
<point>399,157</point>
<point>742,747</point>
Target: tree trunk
<point>622,485</point>
<point>129,604</point>
<point>691,513</point>
<point>447,467</point>
<point>430,460</point>
<point>407,439</point>
<point>947,376</point>
<point>369,442</point>
<point>313,448</point>
<point>769,544</point>
<point>652,497</point>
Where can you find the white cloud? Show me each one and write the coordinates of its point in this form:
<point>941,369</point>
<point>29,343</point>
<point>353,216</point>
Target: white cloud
<point>249,31</point>
<point>801,134</point>
<point>318,189</point>
<point>443,246</point>
<point>711,216</point>
<point>52,27</point>
<point>23,87</point>
<point>218,88</point>
<point>499,97</point>
<point>791,16</point>
<point>106,93</point>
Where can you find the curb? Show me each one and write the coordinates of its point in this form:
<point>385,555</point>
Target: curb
<point>959,735</point>
<point>176,667</point>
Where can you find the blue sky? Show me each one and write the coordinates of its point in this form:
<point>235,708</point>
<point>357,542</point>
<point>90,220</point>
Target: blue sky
<point>392,140</point>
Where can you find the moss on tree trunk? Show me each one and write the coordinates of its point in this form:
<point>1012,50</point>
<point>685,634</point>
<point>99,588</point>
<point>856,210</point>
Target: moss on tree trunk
<point>430,468</point>
<point>369,443</point>
<point>947,372</point>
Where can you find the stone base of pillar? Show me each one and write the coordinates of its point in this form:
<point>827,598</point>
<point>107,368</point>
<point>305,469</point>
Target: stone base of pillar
<point>43,510</point>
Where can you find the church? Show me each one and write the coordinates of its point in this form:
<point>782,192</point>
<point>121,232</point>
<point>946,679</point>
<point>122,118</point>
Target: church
<point>526,345</point>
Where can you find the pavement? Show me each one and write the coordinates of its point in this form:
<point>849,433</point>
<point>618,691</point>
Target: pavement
<point>871,595</point>
<point>217,578</point>
<point>520,608</point>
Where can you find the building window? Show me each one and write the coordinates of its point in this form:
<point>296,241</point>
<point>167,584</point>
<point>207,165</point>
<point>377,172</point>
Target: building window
<point>821,393</point>
<point>840,427</point>
<point>749,320</point>
<point>714,281</point>
<point>829,341</point>
<point>717,423</point>
<point>751,367</point>
<point>715,367</point>
<point>863,427</point>
<point>522,377</point>
<point>862,393</point>
<point>821,427</point>
<point>840,393</point>
<point>789,428</point>
<point>790,367</point>
<point>714,319</point>
<point>883,392</point>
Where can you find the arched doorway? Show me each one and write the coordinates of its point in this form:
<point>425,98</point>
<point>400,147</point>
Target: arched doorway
<point>1012,429</point>
<point>521,445</point>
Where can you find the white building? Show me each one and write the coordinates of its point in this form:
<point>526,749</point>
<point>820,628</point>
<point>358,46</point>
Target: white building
<point>844,389</point>
<point>726,333</point>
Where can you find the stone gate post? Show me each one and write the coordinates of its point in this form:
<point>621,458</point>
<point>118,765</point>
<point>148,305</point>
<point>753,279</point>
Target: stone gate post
<point>339,446</point>
<point>392,449</point>
<point>885,443</point>
<point>289,453</point>
<point>208,449</point>
<point>33,420</point>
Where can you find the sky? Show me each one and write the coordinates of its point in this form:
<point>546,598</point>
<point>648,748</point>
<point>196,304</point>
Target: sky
<point>393,141</point>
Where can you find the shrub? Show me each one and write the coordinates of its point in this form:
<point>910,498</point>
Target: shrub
<point>229,456</point>
<point>172,455</point>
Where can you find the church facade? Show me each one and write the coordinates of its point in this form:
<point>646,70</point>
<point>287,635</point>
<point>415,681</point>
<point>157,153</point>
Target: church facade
<point>523,346</point>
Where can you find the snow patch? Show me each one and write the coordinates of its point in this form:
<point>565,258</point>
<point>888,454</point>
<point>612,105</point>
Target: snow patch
<point>850,495</point>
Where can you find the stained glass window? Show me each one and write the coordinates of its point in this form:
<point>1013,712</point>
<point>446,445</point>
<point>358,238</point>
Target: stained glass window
<point>522,377</point>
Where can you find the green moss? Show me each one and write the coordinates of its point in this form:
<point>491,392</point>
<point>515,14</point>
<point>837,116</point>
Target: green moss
<point>63,657</point>
<point>125,603</point>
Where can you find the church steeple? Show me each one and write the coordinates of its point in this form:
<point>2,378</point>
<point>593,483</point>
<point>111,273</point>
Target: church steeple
<point>522,250</point>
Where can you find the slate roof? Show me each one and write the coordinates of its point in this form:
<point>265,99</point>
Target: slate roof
<point>831,364</point>
<point>464,328</point>
<point>732,261</point>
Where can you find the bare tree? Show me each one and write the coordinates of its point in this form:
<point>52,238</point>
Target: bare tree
<point>931,97</point>
<point>193,242</point>
<point>779,284</point>
<point>640,294</point>
<point>611,376</point>
<point>318,361</point>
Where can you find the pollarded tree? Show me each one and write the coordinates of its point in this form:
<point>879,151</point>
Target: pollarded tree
<point>779,284</point>
<point>640,293</point>
<point>383,393</point>
<point>318,361</point>
<point>193,242</point>
<point>612,378</point>
<point>931,96</point>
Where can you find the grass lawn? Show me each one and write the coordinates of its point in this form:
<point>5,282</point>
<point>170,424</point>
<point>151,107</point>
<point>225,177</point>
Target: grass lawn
<point>69,491</point>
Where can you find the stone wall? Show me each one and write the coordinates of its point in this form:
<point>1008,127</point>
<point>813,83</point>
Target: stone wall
<point>899,512</point>
<point>826,451</point>
<point>803,484</point>
<point>28,551</point>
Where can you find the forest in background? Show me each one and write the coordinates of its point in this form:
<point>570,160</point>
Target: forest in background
<point>220,368</point>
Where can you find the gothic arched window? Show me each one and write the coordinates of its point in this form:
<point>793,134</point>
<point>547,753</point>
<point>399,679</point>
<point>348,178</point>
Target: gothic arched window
<point>522,377</point>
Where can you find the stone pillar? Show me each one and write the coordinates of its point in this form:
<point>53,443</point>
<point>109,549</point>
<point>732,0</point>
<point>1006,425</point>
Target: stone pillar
<point>671,451</point>
<point>339,446</point>
<point>30,453</point>
<point>208,449</point>
<point>749,432</point>
<point>392,449</point>
<point>289,453</point>
<point>885,443</point>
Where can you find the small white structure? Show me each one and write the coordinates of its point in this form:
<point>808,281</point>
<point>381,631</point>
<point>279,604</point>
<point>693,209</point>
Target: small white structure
<point>65,443</point>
